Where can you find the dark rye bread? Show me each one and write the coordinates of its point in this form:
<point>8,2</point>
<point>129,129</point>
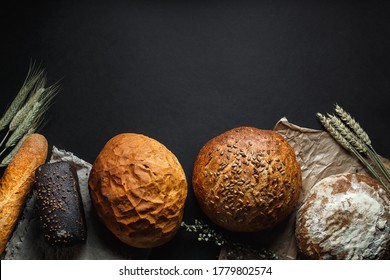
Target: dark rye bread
<point>59,204</point>
<point>247,179</point>
<point>344,216</point>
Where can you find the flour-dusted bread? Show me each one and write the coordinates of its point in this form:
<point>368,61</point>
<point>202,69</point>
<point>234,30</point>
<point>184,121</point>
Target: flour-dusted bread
<point>138,189</point>
<point>247,179</point>
<point>344,216</point>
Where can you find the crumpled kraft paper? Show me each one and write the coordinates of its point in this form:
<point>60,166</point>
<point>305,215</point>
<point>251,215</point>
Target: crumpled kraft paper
<point>319,156</point>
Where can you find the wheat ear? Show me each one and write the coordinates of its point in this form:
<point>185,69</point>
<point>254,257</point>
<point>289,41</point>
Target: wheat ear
<point>347,134</point>
<point>23,112</point>
<point>18,133</point>
<point>32,76</point>
<point>333,131</point>
<point>353,124</point>
<point>356,127</point>
<point>15,149</point>
<point>351,141</point>
<point>338,136</point>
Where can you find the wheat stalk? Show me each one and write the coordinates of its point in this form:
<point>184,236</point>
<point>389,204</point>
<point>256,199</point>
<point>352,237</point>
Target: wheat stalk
<point>42,95</point>
<point>22,113</point>
<point>351,136</point>
<point>25,125</point>
<point>32,117</point>
<point>17,111</point>
<point>353,124</point>
<point>25,114</point>
<point>16,148</point>
<point>33,75</point>
<point>356,127</point>
<point>347,134</point>
<point>332,130</point>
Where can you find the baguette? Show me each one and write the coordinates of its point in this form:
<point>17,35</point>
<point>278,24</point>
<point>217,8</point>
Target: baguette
<point>17,182</point>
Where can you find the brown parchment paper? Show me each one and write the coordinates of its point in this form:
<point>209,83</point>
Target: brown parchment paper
<point>319,156</point>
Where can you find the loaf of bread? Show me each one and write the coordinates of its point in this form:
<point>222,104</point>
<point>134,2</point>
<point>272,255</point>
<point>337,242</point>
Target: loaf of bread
<point>17,182</point>
<point>138,189</point>
<point>344,216</point>
<point>247,179</point>
<point>59,204</point>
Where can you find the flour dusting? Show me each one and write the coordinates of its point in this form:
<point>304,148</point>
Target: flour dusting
<point>346,217</point>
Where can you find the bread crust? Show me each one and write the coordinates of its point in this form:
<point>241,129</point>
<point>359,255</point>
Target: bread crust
<point>247,179</point>
<point>60,206</point>
<point>344,216</point>
<point>17,182</point>
<point>138,189</point>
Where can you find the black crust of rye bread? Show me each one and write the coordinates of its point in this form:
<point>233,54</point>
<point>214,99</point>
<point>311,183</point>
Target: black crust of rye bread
<point>59,204</point>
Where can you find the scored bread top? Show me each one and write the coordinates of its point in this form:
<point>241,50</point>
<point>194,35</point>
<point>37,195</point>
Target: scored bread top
<point>247,179</point>
<point>344,216</point>
<point>138,188</point>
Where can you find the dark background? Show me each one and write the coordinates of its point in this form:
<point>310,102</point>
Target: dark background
<point>183,72</point>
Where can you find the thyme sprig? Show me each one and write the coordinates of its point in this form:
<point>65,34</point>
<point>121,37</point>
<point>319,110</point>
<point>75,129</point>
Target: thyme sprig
<point>205,232</point>
<point>208,234</point>
<point>352,137</point>
<point>25,114</point>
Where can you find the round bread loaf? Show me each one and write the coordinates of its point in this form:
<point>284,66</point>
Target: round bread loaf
<point>247,179</point>
<point>344,216</point>
<point>138,189</point>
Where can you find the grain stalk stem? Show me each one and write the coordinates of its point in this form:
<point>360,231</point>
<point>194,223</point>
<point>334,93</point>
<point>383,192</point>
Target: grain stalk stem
<point>351,136</point>
<point>26,112</point>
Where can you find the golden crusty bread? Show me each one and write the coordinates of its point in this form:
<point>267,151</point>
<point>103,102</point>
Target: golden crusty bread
<point>17,182</point>
<point>247,179</point>
<point>344,216</point>
<point>138,189</point>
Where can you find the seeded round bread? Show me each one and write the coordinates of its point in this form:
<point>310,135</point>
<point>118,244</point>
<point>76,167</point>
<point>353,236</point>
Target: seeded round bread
<point>345,216</point>
<point>247,179</point>
<point>138,189</point>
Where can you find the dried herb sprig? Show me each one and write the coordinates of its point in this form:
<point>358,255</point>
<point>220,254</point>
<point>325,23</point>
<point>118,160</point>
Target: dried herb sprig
<point>207,233</point>
<point>351,136</point>
<point>25,114</point>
